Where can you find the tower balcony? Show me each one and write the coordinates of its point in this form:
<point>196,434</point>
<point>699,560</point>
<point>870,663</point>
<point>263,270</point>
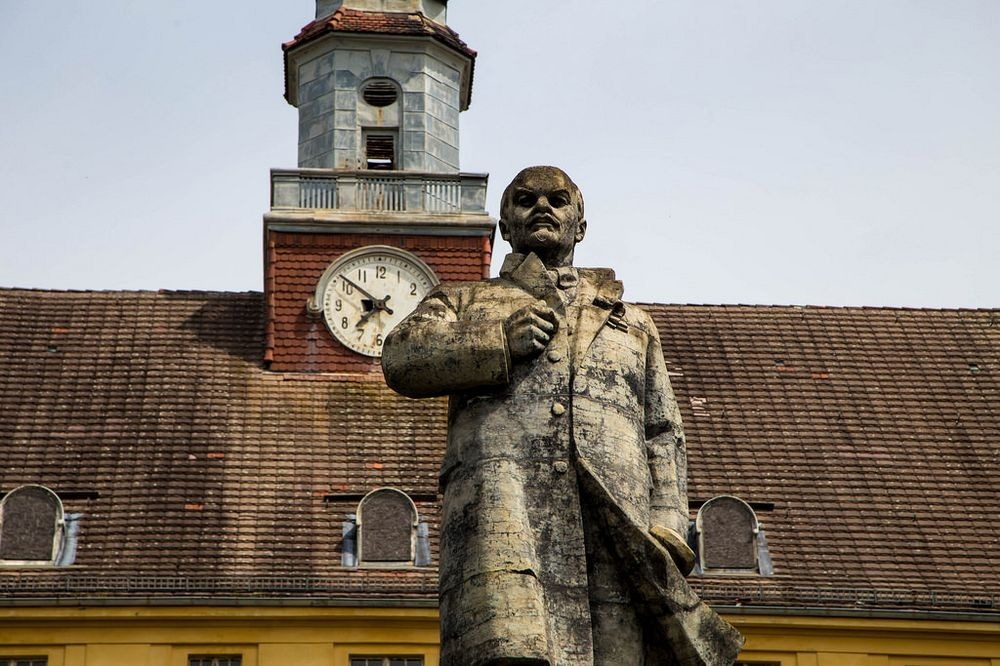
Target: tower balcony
<point>322,192</point>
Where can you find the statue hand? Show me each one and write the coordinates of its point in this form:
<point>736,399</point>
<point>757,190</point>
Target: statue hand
<point>529,329</point>
<point>677,546</point>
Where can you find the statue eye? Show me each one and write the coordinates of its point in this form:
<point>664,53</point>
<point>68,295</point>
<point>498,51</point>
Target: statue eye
<point>558,200</point>
<point>525,200</point>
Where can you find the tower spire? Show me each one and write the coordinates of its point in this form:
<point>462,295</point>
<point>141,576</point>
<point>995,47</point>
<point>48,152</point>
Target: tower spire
<point>379,89</point>
<point>436,10</point>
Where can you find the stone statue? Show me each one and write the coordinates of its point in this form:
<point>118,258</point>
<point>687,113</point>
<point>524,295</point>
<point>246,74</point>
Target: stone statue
<point>564,478</point>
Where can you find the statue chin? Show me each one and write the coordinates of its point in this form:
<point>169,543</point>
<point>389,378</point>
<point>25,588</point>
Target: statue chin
<point>542,240</point>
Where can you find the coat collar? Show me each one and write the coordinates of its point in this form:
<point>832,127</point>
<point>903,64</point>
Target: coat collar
<point>598,296</point>
<point>529,273</point>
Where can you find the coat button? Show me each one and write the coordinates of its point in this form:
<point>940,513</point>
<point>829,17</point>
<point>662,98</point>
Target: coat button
<point>558,409</point>
<point>560,466</point>
<point>555,356</point>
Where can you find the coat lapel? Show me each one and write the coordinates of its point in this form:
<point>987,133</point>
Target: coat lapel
<point>529,273</point>
<point>599,297</point>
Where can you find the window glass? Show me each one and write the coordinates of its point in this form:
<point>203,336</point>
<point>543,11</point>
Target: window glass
<point>387,661</point>
<point>24,661</point>
<point>216,660</point>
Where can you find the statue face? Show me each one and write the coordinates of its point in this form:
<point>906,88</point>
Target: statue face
<point>542,213</point>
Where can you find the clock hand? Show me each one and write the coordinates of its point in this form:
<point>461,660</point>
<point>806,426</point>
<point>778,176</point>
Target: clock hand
<point>366,316</point>
<point>377,305</point>
<point>354,284</point>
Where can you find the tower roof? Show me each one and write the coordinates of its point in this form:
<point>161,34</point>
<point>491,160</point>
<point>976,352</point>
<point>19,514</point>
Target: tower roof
<point>413,24</point>
<point>385,23</point>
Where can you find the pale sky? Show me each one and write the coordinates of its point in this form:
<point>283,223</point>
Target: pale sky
<point>730,151</point>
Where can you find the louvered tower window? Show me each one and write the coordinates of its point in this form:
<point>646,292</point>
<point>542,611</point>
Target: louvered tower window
<point>380,150</point>
<point>380,93</point>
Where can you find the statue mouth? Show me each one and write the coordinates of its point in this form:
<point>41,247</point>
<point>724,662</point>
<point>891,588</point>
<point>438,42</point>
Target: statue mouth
<point>543,221</point>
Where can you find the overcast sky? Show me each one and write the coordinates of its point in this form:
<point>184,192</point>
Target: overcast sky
<point>729,151</point>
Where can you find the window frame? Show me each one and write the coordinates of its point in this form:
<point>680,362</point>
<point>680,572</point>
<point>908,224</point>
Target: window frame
<point>181,653</point>
<point>392,134</point>
<point>755,539</point>
<point>385,659</point>
<point>30,659</point>
<point>359,535</point>
<point>214,657</point>
<point>58,530</point>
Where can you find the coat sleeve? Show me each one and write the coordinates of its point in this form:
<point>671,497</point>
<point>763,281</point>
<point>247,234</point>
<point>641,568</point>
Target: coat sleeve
<point>436,350</point>
<point>666,451</point>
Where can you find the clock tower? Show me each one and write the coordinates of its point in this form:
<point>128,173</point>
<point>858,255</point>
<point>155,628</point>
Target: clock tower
<point>377,211</point>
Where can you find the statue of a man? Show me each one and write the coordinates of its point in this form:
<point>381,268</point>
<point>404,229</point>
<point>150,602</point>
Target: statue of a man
<point>565,499</point>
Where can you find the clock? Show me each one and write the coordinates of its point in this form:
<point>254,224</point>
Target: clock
<point>367,291</point>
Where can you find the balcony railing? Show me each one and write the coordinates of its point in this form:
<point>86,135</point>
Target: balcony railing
<point>378,191</point>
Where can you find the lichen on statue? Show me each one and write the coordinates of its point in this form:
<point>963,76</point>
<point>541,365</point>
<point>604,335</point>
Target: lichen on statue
<point>564,478</point>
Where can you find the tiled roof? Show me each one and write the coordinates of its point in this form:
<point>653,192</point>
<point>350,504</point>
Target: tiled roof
<point>875,434</point>
<point>385,23</point>
<point>205,464</point>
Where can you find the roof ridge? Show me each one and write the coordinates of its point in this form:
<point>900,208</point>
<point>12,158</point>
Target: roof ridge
<point>790,306</point>
<point>648,304</point>
<point>338,21</point>
<point>137,292</point>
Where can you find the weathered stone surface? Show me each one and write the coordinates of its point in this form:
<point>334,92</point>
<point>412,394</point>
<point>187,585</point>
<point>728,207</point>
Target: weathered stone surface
<point>564,478</point>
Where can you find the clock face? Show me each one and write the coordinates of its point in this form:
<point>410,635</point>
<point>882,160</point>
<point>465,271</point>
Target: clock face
<point>366,292</point>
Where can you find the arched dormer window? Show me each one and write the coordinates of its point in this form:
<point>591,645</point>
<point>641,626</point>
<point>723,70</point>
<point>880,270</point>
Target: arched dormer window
<point>730,539</point>
<point>387,528</point>
<point>31,526</point>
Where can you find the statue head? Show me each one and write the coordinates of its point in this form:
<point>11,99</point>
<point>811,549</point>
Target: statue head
<point>542,212</point>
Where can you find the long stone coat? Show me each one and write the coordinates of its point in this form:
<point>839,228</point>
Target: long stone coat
<point>591,422</point>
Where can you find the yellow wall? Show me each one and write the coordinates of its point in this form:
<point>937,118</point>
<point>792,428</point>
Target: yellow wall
<point>285,636</point>
<point>124,636</point>
<point>811,641</point>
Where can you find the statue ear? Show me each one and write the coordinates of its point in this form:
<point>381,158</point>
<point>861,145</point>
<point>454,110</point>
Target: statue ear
<point>504,231</point>
<point>581,230</point>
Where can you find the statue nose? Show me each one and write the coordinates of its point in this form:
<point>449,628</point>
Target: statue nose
<point>543,205</point>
